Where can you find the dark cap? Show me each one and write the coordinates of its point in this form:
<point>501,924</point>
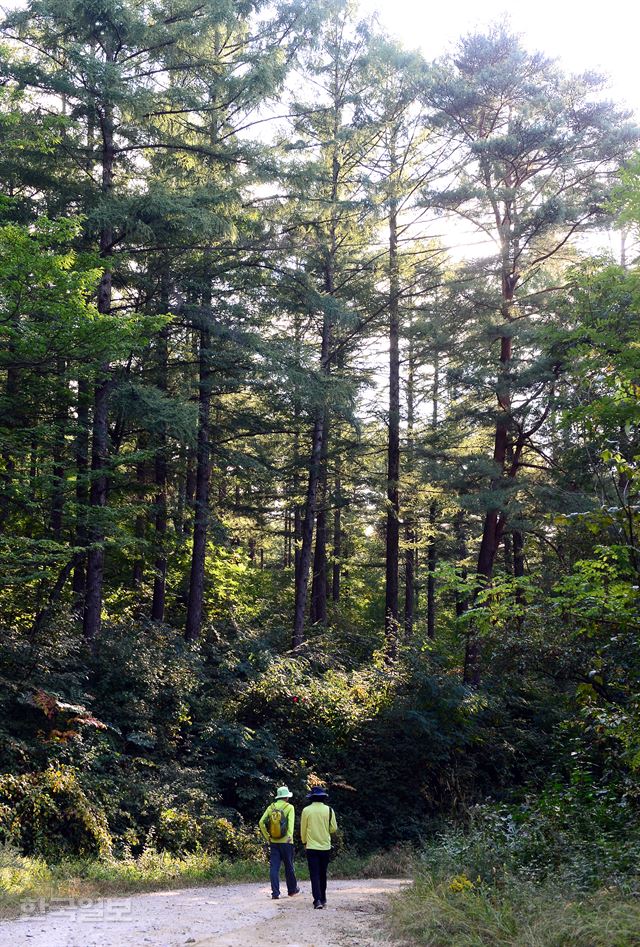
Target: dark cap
<point>318,792</point>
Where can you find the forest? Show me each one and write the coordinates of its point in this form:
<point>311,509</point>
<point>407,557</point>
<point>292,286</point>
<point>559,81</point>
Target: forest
<point>319,460</point>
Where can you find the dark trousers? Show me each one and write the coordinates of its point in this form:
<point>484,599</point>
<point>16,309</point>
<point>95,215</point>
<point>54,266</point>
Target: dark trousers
<point>281,852</point>
<point>318,862</point>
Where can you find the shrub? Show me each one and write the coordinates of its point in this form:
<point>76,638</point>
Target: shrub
<point>48,814</point>
<point>179,832</point>
<point>433,913</point>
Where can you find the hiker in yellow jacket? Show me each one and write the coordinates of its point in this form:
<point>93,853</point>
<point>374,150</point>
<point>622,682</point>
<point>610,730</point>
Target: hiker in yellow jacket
<point>317,825</point>
<point>276,825</point>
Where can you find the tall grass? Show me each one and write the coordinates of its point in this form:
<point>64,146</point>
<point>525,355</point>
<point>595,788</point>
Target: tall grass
<point>530,876</point>
<point>451,913</point>
<point>24,878</point>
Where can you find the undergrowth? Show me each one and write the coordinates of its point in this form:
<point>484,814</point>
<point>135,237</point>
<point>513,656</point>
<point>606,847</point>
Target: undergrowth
<point>532,875</point>
<point>461,913</point>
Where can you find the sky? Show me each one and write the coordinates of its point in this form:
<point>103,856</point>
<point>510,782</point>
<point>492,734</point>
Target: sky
<point>582,34</point>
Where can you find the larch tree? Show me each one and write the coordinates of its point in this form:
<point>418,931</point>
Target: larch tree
<point>333,220</point>
<point>536,152</point>
<point>101,63</point>
<point>406,159</point>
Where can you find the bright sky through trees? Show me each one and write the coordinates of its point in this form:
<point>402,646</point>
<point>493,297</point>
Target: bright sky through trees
<point>582,34</point>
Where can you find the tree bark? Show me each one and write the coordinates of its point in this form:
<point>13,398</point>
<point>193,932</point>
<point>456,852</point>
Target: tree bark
<point>318,611</point>
<point>432,551</point>
<point>160,468</point>
<point>286,536</point>
<point>82,488</point>
<point>13,422</point>
<point>190,487</point>
<point>494,522</point>
<point>100,432</point>
<point>518,554</point>
<point>297,510</point>
<point>393,449</point>
<point>518,569</point>
<point>58,452</point>
<point>461,554</point>
<point>318,439</point>
<point>337,535</point>
<point>507,542</point>
<point>304,561</point>
<point>410,524</point>
<point>97,503</point>
<point>432,561</point>
<point>160,563</point>
<point>140,528</point>
<point>195,608</point>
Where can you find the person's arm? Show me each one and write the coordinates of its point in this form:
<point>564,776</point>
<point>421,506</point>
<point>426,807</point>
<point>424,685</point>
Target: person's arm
<point>262,827</point>
<point>333,824</point>
<point>303,827</point>
<point>291,821</point>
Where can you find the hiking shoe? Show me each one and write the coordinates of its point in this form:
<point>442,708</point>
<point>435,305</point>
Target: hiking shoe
<point>293,893</point>
<point>318,905</point>
<point>275,897</point>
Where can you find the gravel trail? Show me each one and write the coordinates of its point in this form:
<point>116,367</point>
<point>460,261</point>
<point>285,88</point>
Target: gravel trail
<point>222,916</point>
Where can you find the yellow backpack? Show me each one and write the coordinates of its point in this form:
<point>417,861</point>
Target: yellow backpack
<point>276,822</point>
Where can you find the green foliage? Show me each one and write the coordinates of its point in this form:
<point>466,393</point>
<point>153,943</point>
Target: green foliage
<point>559,868</point>
<point>49,815</point>
<point>457,913</point>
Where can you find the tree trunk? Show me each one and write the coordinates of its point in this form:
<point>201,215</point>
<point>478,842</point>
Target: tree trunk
<point>337,535</point>
<point>507,542</point>
<point>318,438</point>
<point>58,452</point>
<point>195,607</point>
<point>297,510</point>
<point>286,537</point>
<point>97,503</point>
<point>409,577</point>
<point>82,488</point>
<point>140,528</point>
<point>518,569</point>
<point>14,421</point>
<point>461,554</point>
<point>410,525</point>
<point>518,553</point>
<point>190,488</point>
<point>160,563</point>
<point>432,551</point>
<point>318,611</point>
<point>493,521</point>
<point>393,449</point>
<point>432,561</point>
<point>102,392</point>
<point>160,468</point>
<point>304,561</point>
<point>181,491</point>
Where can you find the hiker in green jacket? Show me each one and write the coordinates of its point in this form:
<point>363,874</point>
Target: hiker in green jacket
<point>276,825</point>
<point>317,825</point>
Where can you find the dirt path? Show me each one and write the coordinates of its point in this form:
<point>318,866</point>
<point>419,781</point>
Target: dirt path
<point>226,916</point>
